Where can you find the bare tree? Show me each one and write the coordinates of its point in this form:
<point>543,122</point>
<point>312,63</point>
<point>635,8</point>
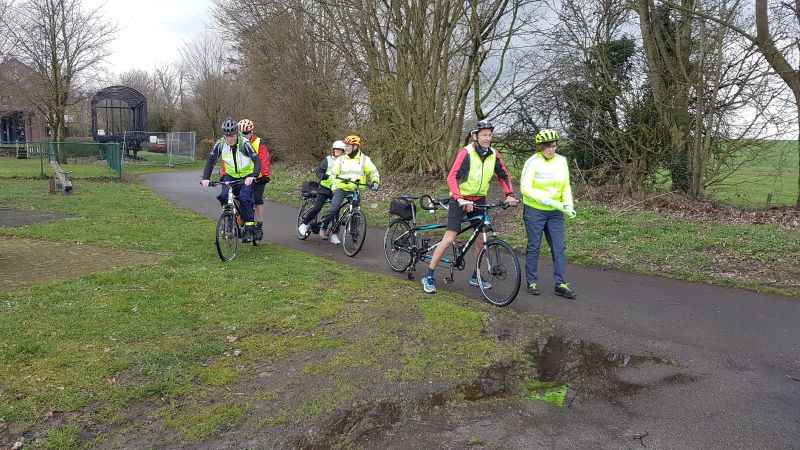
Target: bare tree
<point>212,68</point>
<point>776,36</point>
<point>297,88</point>
<point>62,42</point>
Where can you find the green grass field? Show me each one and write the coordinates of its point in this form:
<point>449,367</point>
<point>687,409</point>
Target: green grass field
<point>95,349</point>
<point>772,174</point>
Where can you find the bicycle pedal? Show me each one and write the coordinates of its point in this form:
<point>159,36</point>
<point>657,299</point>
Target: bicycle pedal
<point>448,280</point>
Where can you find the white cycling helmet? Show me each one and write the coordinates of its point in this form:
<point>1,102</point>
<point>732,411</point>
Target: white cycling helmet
<point>339,145</point>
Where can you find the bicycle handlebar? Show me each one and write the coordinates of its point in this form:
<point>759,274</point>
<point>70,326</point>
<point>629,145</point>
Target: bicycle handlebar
<point>431,204</point>
<point>229,183</point>
<point>356,182</point>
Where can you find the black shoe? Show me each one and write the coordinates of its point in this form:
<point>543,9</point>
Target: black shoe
<point>564,291</point>
<point>248,234</point>
<point>532,289</point>
<point>259,234</point>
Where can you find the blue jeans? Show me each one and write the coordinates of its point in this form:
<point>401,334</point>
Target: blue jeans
<point>551,223</point>
<point>245,194</point>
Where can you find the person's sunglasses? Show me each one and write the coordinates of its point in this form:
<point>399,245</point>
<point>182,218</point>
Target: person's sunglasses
<point>247,133</point>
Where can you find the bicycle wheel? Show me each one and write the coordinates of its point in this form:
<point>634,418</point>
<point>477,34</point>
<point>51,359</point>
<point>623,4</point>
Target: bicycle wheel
<point>355,231</point>
<point>303,209</point>
<point>397,243</point>
<point>499,267</point>
<point>227,239</point>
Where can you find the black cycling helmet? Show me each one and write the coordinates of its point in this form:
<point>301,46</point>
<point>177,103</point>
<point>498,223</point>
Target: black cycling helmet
<point>230,127</point>
<point>481,125</point>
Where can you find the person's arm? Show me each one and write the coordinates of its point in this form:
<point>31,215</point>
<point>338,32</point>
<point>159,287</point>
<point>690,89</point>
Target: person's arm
<point>372,173</point>
<point>566,193</point>
<point>212,160</point>
<point>503,177</point>
<point>527,180</point>
<point>263,154</point>
<point>322,170</point>
<point>461,165</point>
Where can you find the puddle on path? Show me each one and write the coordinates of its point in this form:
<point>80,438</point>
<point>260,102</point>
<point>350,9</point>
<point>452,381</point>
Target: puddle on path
<point>575,370</point>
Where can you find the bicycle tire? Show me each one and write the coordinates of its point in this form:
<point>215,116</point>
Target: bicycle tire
<point>303,209</point>
<point>398,254</point>
<point>227,239</point>
<point>498,265</point>
<point>355,232</point>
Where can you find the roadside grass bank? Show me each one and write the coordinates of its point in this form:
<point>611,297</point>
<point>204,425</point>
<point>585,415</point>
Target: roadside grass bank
<point>673,238</point>
<point>186,349</point>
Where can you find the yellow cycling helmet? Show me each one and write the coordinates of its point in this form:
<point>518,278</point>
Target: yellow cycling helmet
<point>352,140</point>
<point>546,135</point>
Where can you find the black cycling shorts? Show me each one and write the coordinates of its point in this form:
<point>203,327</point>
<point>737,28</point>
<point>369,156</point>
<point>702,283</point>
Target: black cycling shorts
<point>456,214</point>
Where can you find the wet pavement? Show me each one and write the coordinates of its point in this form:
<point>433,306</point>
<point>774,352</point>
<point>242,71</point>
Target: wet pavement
<point>650,362</point>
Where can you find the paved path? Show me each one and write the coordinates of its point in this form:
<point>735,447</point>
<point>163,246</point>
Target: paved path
<point>736,377</point>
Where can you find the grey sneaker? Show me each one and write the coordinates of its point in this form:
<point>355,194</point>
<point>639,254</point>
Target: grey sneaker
<point>474,282</point>
<point>335,239</point>
<point>564,291</point>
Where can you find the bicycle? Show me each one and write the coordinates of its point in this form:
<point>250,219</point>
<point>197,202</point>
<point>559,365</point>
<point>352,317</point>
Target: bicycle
<point>352,223</point>
<point>497,266</point>
<point>230,225</point>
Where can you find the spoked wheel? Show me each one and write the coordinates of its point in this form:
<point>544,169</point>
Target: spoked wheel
<point>397,244</point>
<point>227,237</point>
<point>303,209</point>
<point>355,231</point>
<point>498,273</point>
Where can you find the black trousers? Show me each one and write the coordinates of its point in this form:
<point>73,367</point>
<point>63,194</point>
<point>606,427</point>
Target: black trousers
<point>323,194</point>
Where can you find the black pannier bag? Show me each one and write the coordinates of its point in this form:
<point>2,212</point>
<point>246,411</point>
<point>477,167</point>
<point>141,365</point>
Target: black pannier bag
<point>309,189</point>
<point>402,208</point>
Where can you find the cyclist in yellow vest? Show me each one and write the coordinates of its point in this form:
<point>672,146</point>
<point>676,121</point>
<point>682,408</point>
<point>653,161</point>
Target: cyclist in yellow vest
<point>353,165</point>
<point>239,160</point>
<point>325,174</point>
<point>547,196</point>
<point>246,127</point>
<point>468,180</point>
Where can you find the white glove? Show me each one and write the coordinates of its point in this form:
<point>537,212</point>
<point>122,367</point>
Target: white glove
<point>569,211</point>
<point>462,202</point>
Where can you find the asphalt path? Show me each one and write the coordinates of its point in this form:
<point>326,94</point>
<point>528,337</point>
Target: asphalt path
<point>734,382</point>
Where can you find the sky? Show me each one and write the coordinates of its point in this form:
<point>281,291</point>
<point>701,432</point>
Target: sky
<point>151,31</point>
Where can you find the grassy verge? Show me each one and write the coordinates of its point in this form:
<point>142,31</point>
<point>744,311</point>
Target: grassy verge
<point>98,170</point>
<point>758,257</point>
<point>110,356</point>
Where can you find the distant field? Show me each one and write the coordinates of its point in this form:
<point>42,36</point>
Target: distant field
<point>774,172</point>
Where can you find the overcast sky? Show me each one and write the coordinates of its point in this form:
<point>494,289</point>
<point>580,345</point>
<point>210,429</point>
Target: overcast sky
<point>151,31</point>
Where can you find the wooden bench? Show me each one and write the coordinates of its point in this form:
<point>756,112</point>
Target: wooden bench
<point>60,180</point>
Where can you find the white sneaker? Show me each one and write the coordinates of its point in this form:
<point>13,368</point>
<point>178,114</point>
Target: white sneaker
<point>335,239</point>
<point>303,228</point>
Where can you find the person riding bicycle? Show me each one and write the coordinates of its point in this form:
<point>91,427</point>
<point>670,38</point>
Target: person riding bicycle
<point>468,180</point>
<point>547,196</point>
<point>246,128</point>
<point>239,161</point>
<point>326,176</point>
<point>354,166</point>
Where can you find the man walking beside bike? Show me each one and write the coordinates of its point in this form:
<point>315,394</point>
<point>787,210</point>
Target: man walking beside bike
<point>353,166</point>
<point>324,193</point>
<point>468,180</point>
<point>246,128</point>
<point>239,160</point>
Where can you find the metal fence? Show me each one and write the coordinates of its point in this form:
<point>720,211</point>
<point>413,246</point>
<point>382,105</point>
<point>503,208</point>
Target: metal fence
<point>160,148</point>
<point>87,155</point>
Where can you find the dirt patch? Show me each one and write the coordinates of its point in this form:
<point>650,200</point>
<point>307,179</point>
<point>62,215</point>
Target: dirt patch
<point>26,263</point>
<point>21,217</point>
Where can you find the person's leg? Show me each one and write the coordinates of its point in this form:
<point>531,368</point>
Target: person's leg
<point>319,203</point>
<point>258,198</point>
<point>246,201</point>
<point>554,233</point>
<point>336,203</point>
<point>534,224</point>
<point>223,194</point>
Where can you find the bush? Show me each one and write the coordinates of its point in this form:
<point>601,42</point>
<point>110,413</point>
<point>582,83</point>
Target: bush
<point>204,148</point>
